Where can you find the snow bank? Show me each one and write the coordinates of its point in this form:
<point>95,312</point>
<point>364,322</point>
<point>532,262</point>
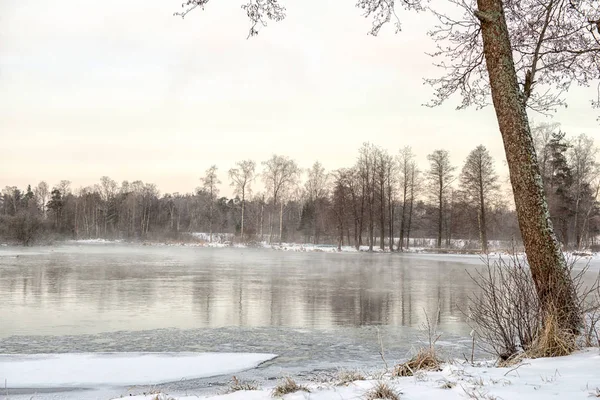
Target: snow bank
<point>95,241</point>
<point>574,377</point>
<point>119,369</point>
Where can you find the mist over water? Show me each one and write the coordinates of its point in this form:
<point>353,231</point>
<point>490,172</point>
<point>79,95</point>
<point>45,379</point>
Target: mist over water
<point>90,289</point>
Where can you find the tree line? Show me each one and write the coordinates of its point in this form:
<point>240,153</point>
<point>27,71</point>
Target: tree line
<point>383,201</point>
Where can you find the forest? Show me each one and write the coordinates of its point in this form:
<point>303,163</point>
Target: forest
<point>385,200</point>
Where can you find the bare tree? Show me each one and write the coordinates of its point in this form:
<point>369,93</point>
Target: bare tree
<point>407,164</point>
<point>478,180</point>
<point>582,160</point>
<point>241,178</point>
<point>542,134</point>
<point>41,196</point>
<point>366,167</point>
<point>440,177</point>
<point>210,182</point>
<point>413,186</point>
<point>279,174</point>
<point>316,187</point>
<point>544,42</point>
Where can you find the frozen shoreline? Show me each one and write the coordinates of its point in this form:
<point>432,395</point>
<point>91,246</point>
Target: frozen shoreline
<point>309,247</point>
<point>572,377</point>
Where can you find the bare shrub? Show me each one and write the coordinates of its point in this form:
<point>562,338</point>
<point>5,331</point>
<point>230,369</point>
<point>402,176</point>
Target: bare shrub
<point>507,316</point>
<point>506,312</point>
<point>382,391</point>
<point>286,386</point>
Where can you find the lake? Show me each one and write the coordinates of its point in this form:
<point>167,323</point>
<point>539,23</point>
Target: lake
<point>318,311</point>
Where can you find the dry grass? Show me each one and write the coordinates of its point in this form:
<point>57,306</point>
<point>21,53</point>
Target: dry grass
<point>447,384</point>
<point>345,377</point>
<point>236,385</point>
<point>552,341</point>
<point>382,391</point>
<point>511,361</point>
<point>288,385</point>
<point>425,360</point>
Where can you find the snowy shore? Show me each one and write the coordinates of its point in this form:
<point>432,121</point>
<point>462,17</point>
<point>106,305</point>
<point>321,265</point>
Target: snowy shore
<point>572,377</point>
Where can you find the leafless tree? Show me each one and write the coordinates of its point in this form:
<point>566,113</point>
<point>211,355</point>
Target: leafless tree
<point>582,160</point>
<point>210,182</point>
<point>542,134</point>
<point>366,167</point>
<point>241,178</point>
<point>440,176</point>
<point>479,181</point>
<point>41,196</point>
<point>317,188</point>
<point>407,163</point>
<point>516,51</point>
<point>279,174</point>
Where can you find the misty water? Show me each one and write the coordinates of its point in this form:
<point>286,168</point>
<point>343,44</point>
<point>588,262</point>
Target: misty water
<point>318,311</point>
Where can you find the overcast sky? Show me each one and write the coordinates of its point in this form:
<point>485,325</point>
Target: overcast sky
<point>122,88</point>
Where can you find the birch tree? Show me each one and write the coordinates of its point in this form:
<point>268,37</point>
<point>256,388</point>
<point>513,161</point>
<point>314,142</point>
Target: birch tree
<point>316,187</point>
<point>241,178</point>
<point>209,183</point>
<point>279,174</point>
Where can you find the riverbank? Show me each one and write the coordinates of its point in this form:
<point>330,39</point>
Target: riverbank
<point>571,377</point>
<point>322,248</point>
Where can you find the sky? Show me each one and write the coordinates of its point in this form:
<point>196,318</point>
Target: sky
<point>127,90</point>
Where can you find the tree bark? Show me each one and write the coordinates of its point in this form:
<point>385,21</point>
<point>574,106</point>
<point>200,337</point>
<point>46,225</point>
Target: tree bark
<point>553,283</point>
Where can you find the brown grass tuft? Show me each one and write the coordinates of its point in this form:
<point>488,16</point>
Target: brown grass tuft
<point>236,385</point>
<point>553,341</point>
<point>345,377</point>
<point>382,391</point>
<point>288,385</point>
<point>425,360</point>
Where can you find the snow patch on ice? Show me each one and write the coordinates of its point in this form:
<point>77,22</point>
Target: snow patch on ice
<point>119,369</point>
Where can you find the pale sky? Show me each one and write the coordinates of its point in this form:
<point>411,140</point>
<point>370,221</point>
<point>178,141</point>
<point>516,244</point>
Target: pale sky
<point>122,88</point>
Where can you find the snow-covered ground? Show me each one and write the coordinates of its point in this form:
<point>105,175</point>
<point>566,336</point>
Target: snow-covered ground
<point>89,370</point>
<point>573,377</point>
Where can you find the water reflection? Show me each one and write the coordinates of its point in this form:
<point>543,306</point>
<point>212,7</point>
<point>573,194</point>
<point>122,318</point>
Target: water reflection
<point>91,289</point>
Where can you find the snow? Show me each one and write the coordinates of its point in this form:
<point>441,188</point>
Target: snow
<point>119,369</point>
<point>573,377</point>
<point>95,241</point>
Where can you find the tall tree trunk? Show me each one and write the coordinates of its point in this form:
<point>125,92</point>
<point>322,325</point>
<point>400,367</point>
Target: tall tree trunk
<point>440,213</point>
<point>482,224</point>
<point>243,206</point>
<point>548,267</point>
<point>391,220</point>
<point>262,212</point>
<point>280,222</point>
<point>409,223</point>
<point>382,213</point>
<point>403,216</point>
